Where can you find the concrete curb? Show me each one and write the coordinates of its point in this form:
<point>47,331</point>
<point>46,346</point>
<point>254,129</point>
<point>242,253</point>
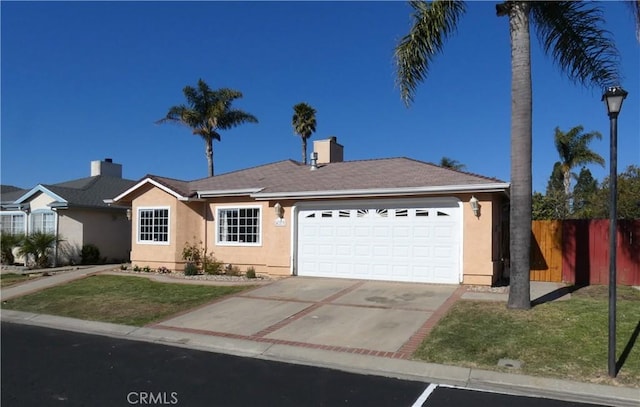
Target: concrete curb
<point>404,369</point>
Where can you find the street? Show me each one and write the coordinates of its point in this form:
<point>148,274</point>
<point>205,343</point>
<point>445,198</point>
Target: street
<point>47,367</point>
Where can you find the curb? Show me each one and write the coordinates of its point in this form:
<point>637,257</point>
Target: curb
<point>459,377</point>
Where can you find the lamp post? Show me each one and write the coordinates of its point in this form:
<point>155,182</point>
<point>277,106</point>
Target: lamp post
<point>613,96</point>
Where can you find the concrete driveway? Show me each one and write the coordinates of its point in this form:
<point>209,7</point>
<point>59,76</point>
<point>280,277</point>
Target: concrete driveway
<point>368,317</point>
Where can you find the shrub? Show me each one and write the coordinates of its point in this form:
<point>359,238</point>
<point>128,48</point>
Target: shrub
<point>136,268</point>
<point>251,272</point>
<point>8,243</point>
<point>90,254</point>
<point>213,267</point>
<point>146,269</point>
<point>123,267</point>
<point>232,270</point>
<point>163,270</point>
<point>38,245</point>
<point>190,269</point>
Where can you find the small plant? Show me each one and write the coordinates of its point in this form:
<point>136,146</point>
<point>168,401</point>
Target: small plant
<point>190,269</point>
<point>232,270</point>
<point>146,269</point>
<point>90,254</point>
<point>123,267</point>
<point>39,245</point>
<point>213,267</point>
<point>163,270</point>
<point>136,268</point>
<point>9,241</point>
<point>251,272</point>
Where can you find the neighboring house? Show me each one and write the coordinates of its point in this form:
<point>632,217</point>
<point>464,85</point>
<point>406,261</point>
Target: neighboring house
<point>75,211</point>
<point>385,219</point>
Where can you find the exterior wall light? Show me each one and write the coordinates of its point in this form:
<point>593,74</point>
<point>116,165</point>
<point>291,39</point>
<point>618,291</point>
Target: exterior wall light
<point>128,213</point>
<point>475,206</point>
<point>279,210</point>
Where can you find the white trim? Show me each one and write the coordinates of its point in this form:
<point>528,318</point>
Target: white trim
<point>294,239</point>
<point>152,182</point>
<point>151,242</point>
<point>461,232</point>
<point>227,192</point>
<point>239,244</point>
<point>44,190</point>
<point>376,192</point>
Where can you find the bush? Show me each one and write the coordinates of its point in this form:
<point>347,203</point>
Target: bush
<point>136,268</point>
<point>213,267</point>
<point>146,269</point>
<point>232,270</point>
<point>123,267</point>
<point>190,269</point>
<point>163,270</point>
<point>8,243</point>
<point>38,245</point>
<point>251,272</point>
<point>90,254</point>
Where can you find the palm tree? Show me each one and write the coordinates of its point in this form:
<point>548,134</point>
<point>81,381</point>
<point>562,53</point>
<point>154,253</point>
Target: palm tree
<point>571,32</point>
<point>304,125</point>
<point>206,112</point>
<point>573,148</point>
<point>452,164</point>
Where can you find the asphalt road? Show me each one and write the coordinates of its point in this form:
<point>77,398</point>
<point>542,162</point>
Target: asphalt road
<point>47,367</point>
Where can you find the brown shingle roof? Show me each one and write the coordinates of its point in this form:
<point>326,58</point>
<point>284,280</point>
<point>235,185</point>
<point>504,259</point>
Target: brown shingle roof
<point>291,176</point>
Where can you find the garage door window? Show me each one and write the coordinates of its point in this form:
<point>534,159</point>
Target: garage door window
<point>239,226</point>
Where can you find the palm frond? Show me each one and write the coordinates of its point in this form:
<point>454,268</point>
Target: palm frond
<point>233,118</point>
<point>571,32</point>
<point>304,120</point>
<point>433,23</point>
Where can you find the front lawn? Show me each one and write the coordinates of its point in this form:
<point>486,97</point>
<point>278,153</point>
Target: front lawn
<point>565,339</point>
<point>9,279</point>
<point>119,299</point>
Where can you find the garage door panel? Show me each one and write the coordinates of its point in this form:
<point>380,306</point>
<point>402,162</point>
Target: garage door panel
<point>403,243</point>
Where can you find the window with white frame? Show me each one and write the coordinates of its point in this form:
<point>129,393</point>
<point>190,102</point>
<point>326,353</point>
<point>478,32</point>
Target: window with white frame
<point>43,222</point>
<point>153,225</point>
<point>12,223</point>
<point>239,226</point>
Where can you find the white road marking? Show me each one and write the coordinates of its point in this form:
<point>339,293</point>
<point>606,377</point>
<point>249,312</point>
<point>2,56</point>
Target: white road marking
<point>425,395</point>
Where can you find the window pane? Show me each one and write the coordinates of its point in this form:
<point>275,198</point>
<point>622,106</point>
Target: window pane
<point>239,225</point>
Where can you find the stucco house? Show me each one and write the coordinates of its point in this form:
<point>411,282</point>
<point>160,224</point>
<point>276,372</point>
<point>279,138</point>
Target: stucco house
<point>74,211</point>
<point>392,219</point>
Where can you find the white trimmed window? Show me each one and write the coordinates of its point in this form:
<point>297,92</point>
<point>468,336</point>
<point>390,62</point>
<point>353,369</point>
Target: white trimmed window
<point>153,225</point>
<point>239,226</point>
<point>12,223</point>
<point>43,222</point>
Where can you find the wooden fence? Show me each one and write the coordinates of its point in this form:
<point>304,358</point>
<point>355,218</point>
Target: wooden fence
<point>577,251</point>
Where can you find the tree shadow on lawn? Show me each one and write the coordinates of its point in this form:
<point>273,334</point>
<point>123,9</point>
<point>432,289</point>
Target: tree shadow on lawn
<point>556,294</point>
<point>627,349</point>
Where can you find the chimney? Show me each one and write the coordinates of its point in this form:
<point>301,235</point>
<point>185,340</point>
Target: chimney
<point>329,151</point>
<point>106,167</point>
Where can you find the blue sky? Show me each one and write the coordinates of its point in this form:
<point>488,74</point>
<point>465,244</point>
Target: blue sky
<point>83,81</point>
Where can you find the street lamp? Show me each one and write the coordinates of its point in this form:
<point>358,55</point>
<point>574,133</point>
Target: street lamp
<point>613,96</point>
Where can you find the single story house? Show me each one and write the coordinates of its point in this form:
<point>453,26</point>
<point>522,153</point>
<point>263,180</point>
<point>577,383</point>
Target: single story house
<point>394,219</point>
<point>75,212</point>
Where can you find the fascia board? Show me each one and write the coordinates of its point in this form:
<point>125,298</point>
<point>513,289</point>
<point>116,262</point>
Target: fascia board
<point>44,190</point>
<point>152,182</point>
<point>477,188</point>
<point>228,192</point>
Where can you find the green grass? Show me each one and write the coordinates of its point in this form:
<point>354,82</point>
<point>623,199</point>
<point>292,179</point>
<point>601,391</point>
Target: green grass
<point>119,299</point>
<point>564,339</point>
<point>9,279</point>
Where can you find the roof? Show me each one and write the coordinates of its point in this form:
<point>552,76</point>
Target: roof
<point>9,193</point>
<point>349,178</point>
<point>84,192</point>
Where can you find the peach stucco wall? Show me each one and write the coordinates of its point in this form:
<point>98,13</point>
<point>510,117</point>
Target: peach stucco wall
<point>480,249</point>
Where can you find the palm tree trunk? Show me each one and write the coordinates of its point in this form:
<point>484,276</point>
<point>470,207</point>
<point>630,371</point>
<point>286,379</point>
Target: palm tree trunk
<point>304,151</point>
<point>566,181</point>
<point>521,129</point>
<point>208,143</point>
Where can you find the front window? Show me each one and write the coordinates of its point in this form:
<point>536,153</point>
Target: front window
<point>12,223</point>
<point>239,226</point>
<point>153,225</point>
<point>43,222</point>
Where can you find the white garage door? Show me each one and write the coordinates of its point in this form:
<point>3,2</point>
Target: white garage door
<point>405,241</point>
